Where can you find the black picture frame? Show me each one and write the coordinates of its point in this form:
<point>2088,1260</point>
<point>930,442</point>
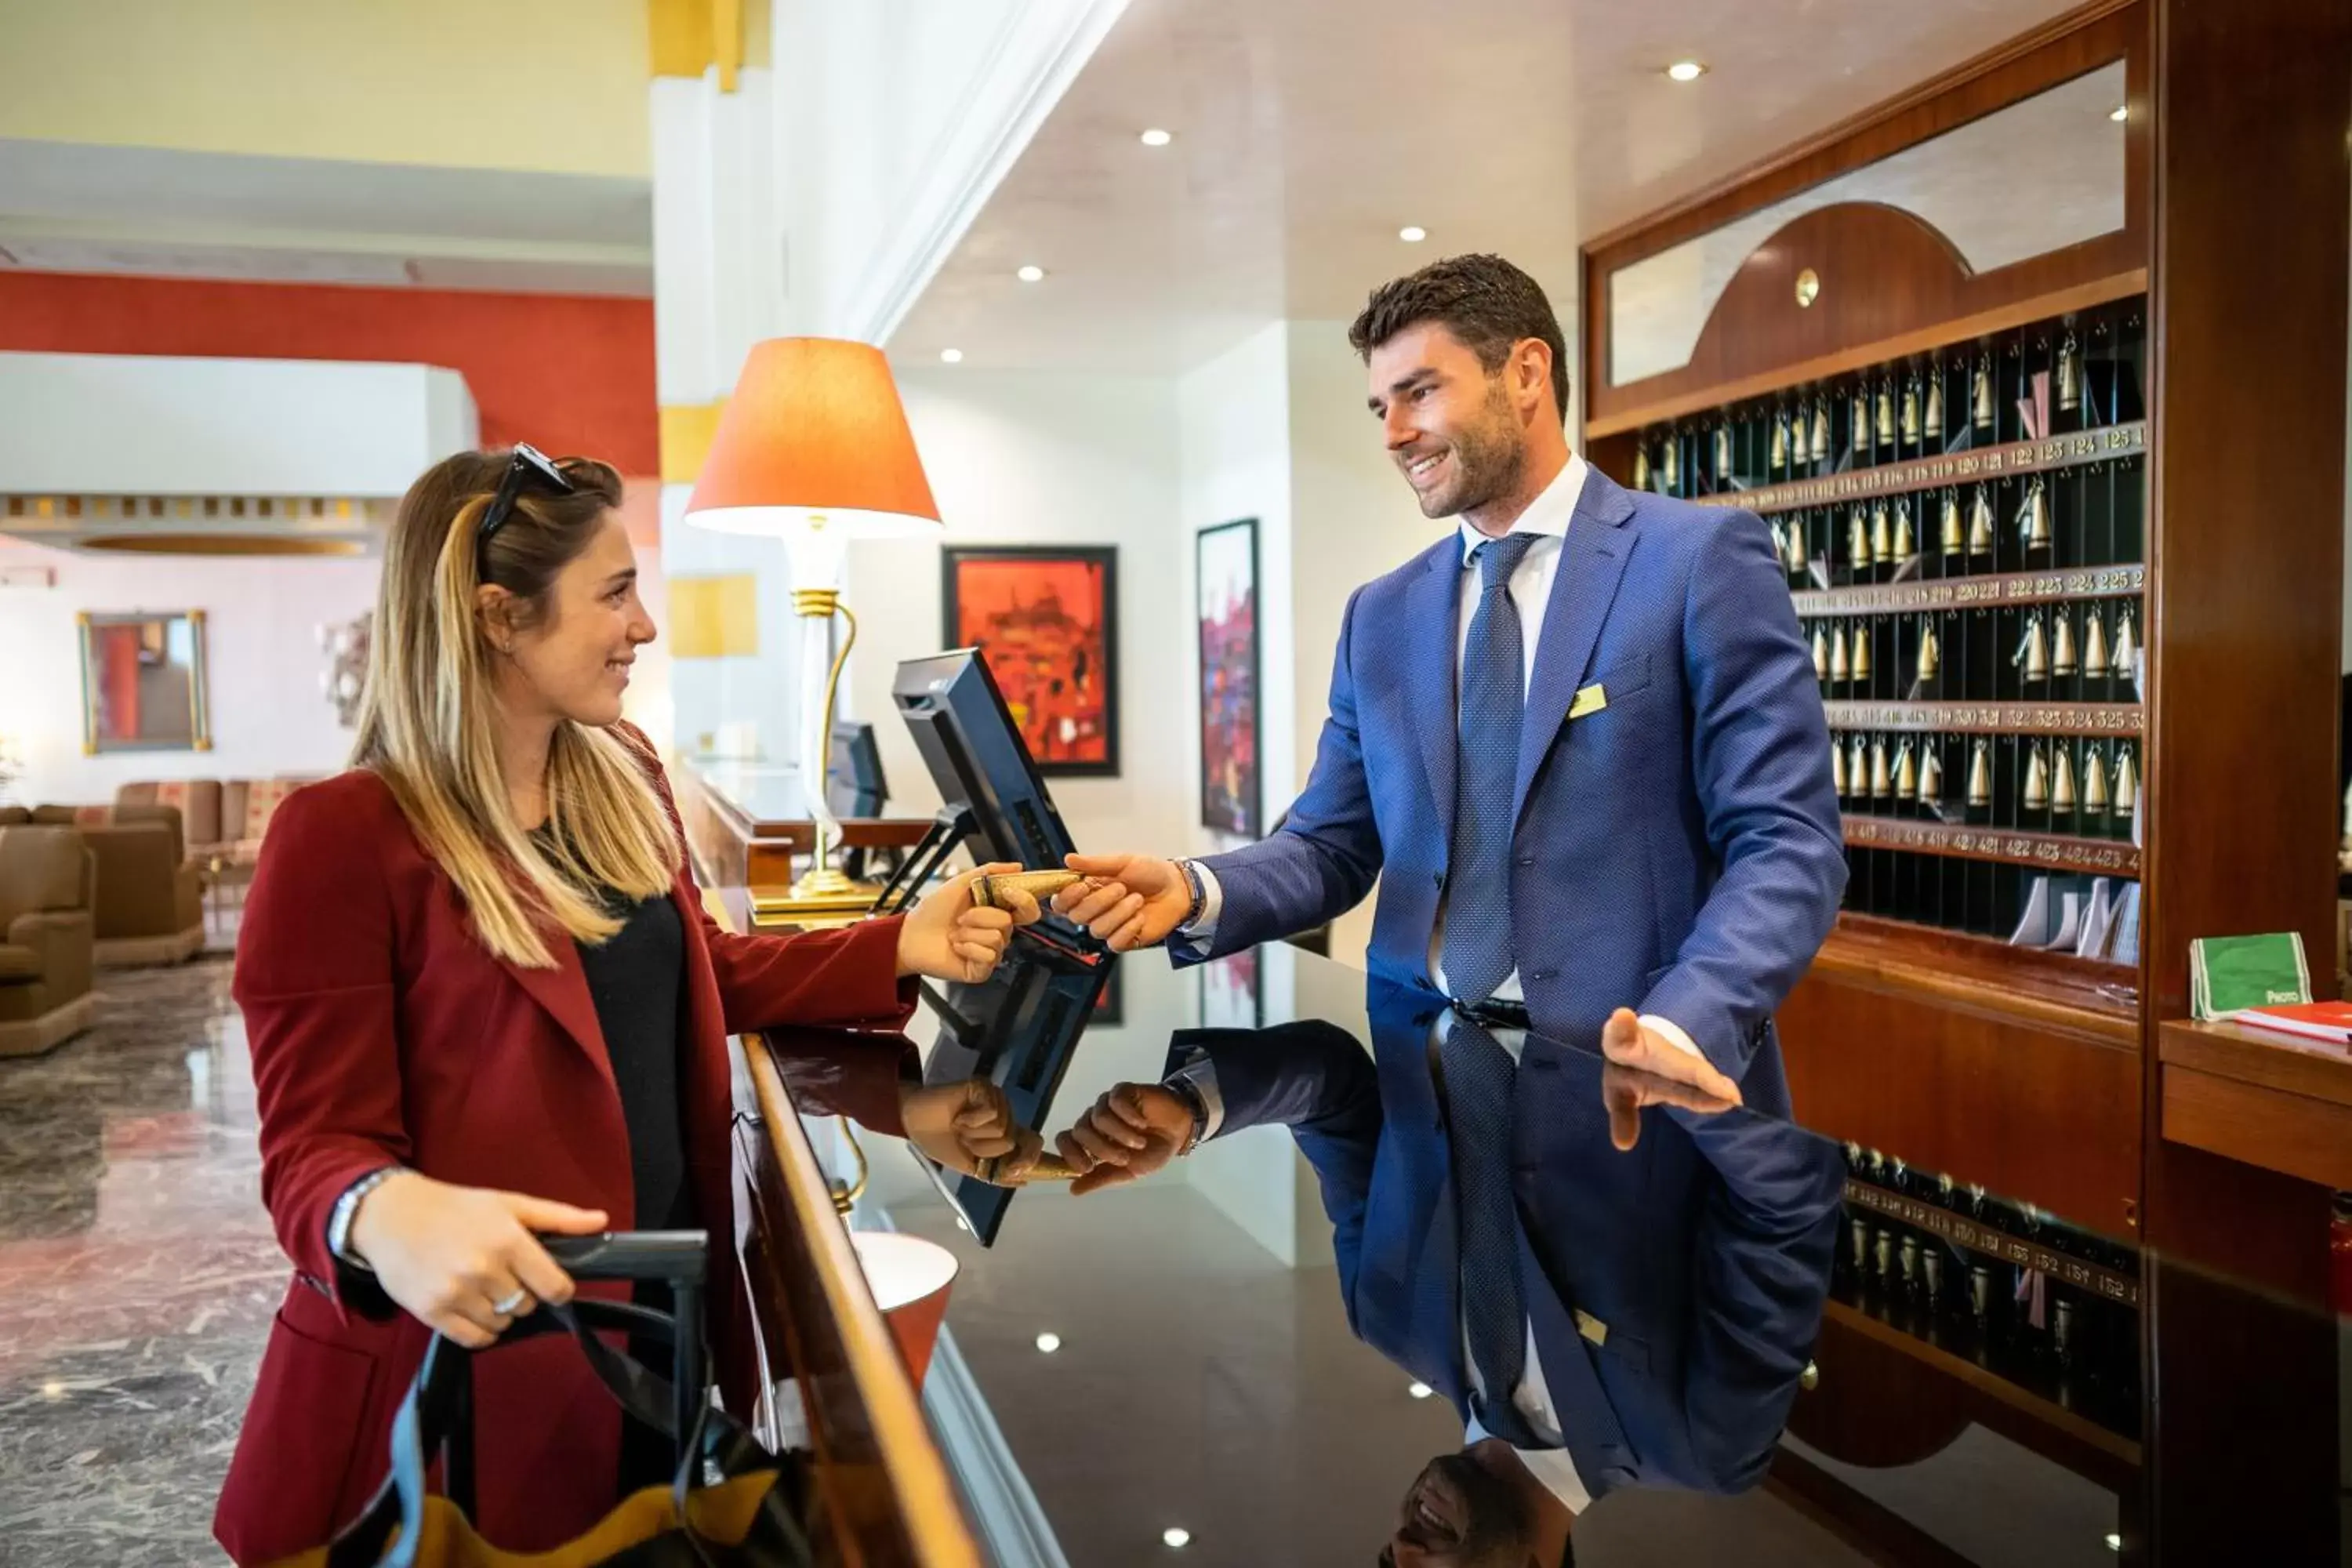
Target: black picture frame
<point>1241,811</point>
<point>1016,683</point>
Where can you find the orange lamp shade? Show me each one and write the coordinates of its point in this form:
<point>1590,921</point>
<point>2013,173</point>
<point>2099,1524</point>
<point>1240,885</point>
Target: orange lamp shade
<point>814,437</point>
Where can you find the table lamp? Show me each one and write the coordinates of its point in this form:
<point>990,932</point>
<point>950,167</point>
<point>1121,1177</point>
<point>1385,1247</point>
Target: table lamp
<point>813,448</point>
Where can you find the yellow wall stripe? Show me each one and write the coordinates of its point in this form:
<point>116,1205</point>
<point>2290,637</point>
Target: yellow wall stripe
<point>714,617</point>
<point>687,429</point>
<point>686,37</point>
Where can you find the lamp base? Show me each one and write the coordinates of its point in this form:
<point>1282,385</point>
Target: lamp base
<point>824,894</point>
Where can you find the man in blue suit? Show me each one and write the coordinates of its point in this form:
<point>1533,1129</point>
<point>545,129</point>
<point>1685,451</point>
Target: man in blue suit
<point>1671,1265</point>
<point>1578,741</point>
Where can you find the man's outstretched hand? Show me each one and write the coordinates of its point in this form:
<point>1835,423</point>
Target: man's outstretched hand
<point>1132,1130</point>
<point>1127,900</point>
<point>1624,1040</point>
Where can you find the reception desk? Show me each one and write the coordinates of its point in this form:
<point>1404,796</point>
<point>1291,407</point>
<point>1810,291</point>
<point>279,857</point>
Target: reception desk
<point>746,822</point>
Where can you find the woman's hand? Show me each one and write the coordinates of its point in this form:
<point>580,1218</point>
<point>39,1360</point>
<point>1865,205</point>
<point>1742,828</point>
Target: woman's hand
<point>961,1124</point>
<point>452,1256</point>
<point>947,937</point>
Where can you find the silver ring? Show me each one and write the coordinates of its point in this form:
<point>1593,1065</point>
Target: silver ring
<point>506,1308</point>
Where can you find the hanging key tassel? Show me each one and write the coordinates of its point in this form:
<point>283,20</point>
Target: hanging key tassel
<point>2070,375</point>
<point>2034,651</point>
<point>1880,784</point>
<point>2037,781</point>
<point>2037,516</point>
<point>2127,797</point>
<point>2125,663</point>
<point>1863,638</point>
<point>1955,532</point>
<point>1980,775</point>
<point>1837,768</point>
<point>1982,412</point>
<point>1820,654</point>
<point>1980,531</point>
<point>1931,654</point>
<point>1911,412</point>
<point>1906,773</point>
<point>1838,664</point>
<point>1672,463</point>
<point>2094,645</point>
<point>2062,646</point>
<point>2094,780</point>
<point>1821,441</point>
<point>2062,781</point>
<point>1931,779</point>
<point>1936,400</point>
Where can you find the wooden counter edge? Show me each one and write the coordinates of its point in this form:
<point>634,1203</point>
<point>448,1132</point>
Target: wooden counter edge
<point>919,1475</point>
<point>1853,958</point>
<point>2272,1101</point>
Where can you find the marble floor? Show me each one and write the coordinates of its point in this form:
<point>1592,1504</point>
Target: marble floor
<point>138,1275</point>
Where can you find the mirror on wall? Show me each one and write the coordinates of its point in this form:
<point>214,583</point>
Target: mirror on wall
<point>2043,174</point>
<point>142,682</point>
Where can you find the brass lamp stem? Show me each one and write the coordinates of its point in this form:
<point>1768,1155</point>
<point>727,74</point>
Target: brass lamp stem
<point>821,879</point>
<point>846,1193</point>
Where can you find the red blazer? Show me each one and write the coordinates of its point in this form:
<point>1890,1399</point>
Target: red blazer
<point>382,1033</point>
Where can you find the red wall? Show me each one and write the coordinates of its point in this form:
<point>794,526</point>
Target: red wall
<point>571,374</point>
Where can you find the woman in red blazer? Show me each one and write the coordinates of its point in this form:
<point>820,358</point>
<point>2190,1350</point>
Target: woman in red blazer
<point>483,1000</point>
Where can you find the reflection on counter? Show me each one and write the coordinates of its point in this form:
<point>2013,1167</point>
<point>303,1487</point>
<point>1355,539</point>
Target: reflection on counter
<point>1285,1335</point>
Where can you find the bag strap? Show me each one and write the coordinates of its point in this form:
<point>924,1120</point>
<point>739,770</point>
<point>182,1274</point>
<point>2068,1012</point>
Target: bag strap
<point>436,1415</point>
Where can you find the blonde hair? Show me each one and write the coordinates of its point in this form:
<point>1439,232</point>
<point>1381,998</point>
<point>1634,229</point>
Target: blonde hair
<point>428,719</point>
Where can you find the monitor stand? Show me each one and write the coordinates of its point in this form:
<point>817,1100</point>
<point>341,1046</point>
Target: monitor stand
<point>949,829</point>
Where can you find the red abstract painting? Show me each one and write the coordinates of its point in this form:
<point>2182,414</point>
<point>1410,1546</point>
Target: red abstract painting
<point>1047,621</point>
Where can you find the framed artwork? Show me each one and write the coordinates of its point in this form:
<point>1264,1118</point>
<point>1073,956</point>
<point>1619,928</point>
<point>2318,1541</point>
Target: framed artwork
<point>1230,998</point>
<point>1046,619</point>
<point>1227,610</point>
<point>1110,1007</point>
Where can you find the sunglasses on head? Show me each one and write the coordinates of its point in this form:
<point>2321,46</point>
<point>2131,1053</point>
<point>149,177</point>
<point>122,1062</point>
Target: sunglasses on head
<point>529,465</point>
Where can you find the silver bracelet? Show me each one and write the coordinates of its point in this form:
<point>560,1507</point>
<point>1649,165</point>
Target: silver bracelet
<point>347,1207</point>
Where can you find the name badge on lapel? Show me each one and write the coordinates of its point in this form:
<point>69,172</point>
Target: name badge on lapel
<point>1590,698</point>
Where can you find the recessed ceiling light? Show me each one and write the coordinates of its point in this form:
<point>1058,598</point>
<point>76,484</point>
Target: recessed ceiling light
<point>952,356</point>
<point>2122,112</point>
<point>2115,1543</point>
<point>1413,234</point>
<point>1155,137</point>
<point>1177,1536</point>
<point>1049,1342</point>
<point>1686,70</point>
<point>1421,1390</point>
<point>1031,274</point>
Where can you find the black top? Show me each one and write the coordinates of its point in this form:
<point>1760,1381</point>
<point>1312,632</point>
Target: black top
<point>637,979</point>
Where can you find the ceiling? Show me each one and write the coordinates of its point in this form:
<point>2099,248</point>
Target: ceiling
<point>1306,135</point>
<point>80,207</point>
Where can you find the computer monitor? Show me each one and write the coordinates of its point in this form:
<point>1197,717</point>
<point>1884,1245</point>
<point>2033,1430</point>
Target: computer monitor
<point>975,755</point>
<point>853,773</point>
<point>1019,1028</point>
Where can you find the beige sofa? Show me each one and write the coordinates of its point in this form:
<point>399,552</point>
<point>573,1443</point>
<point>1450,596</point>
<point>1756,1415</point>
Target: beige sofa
<point>150,905</point>
<point>48,884</point>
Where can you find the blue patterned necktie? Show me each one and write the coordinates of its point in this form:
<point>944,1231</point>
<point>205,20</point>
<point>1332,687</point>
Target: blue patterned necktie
<point>1478,1079</point>
<point>1477,952</point>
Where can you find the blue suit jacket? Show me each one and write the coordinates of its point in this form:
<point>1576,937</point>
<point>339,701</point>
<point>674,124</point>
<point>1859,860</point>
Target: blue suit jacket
<point>1705,1250</point>
<point>1677,850</point>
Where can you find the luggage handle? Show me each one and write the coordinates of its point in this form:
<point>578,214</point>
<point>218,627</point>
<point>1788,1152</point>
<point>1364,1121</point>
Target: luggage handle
<point>678,1257</point>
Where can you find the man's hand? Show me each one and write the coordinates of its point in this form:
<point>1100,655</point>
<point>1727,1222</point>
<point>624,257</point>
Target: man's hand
<point>1127,901</point>
<point>1624,1041</point>
<point>961,1125</point>
<point>1626,1090</point>
<point>947,937</point>
<point>1134,1129</point>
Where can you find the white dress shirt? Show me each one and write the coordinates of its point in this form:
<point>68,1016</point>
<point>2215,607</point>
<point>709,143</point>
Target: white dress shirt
<point>1546,517</point>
